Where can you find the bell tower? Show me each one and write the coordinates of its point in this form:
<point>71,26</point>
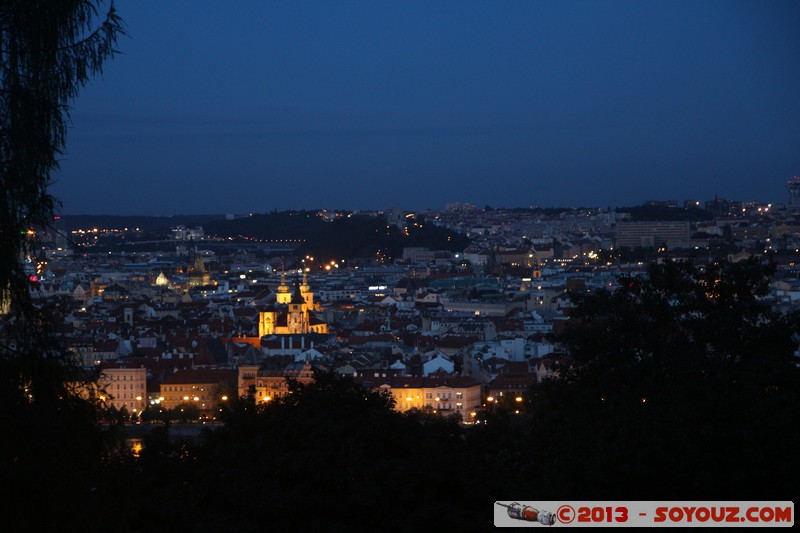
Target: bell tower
<point>284,295</point>
<point>297,320</point>
<point>305,292</point>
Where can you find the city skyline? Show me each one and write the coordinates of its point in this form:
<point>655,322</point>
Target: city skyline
<point>363,106</point>
<point>366,265</point>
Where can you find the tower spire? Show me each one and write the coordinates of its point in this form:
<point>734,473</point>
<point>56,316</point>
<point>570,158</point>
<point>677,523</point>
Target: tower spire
<point>283,294</point>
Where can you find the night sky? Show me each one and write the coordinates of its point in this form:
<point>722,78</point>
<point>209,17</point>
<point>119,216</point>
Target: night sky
<point>250,106</point>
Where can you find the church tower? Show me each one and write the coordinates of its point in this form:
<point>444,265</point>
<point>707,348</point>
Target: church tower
<point>292,313</point>
<point>199,276</point>
<point>297,319</point>
<point>284,295</point>
<point>266,323</point>
<point>305,292</point>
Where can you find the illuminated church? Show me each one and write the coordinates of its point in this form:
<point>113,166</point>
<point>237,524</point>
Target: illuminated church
<point>292,313</point>
<point>198,276</point>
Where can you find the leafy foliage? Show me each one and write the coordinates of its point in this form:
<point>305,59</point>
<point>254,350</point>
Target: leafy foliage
<point>330,455</point>
<point>683,385</point>
<point>48,51</point>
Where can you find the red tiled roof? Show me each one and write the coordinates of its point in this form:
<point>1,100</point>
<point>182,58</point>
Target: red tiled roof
<point>202,375</point>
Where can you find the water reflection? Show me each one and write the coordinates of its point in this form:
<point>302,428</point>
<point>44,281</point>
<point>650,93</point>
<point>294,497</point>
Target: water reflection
<point>135,446</point>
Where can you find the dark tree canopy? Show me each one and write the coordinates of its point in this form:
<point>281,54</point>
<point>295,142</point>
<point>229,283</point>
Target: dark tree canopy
<point>683,384</point>
<point>680,310</point>
<point>332,455</point>
<point>48,51</point>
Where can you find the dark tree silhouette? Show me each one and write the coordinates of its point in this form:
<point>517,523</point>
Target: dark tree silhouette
<point>683,385</point>
<point>330,455</point>
<point>48,51</point>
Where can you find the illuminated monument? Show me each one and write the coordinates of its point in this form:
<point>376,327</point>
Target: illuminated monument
<point>198,275</point>
<point>292,313</point>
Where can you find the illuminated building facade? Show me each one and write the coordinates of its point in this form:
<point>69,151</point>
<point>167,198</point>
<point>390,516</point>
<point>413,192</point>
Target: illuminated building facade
<point>292,313</point>
<point>123,386</point>
<point>199,276</point>
<point>204,387</point>
<point>266,385</point>
<point>440,394</point>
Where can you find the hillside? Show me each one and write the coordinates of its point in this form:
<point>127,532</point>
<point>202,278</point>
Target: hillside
<point>347,237</point>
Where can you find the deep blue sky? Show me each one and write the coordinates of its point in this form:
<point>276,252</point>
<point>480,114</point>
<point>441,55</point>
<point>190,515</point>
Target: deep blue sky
<point>249,106</point>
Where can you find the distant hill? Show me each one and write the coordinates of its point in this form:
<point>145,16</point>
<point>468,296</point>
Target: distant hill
<point>648,213</point>
<point>72,222</point>
<point>346,237</point>
<point>291,225</point>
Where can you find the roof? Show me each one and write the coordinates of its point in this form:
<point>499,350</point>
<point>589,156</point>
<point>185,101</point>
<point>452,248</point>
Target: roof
<point>297,296</point>
<point>513,381</point>
<point>202,375</point>
<point>456,341</point>
<point>251,357</point>
<point>430,382</point>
